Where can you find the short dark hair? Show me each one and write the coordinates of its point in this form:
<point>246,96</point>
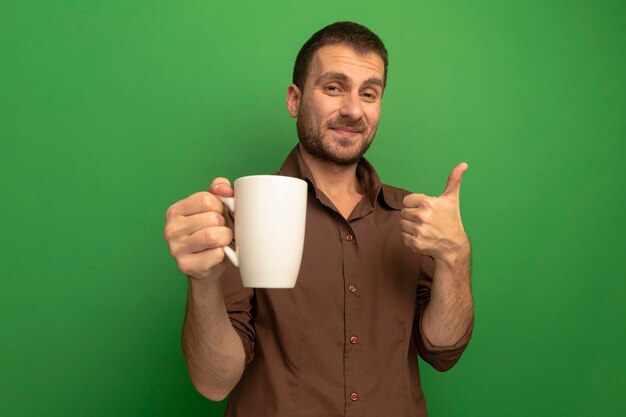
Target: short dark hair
<point>351,34</point>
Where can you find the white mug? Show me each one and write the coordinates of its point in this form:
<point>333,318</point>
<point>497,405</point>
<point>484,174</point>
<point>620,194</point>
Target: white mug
<point>270,217</point>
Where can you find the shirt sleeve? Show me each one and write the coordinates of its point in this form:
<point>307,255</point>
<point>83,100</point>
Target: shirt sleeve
<point>442,358</point>
<point>239,303</point>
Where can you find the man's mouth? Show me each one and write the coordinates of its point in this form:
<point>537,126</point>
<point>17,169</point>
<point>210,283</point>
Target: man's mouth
<point>348,132</point>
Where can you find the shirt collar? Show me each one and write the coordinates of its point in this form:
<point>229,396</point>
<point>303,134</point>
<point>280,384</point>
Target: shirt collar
<point>294,166</point>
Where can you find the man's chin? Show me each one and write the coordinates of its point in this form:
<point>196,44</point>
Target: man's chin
<point>344,155</point>
<point>336,149</point>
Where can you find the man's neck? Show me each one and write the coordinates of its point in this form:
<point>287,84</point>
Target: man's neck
<point>337,182</point>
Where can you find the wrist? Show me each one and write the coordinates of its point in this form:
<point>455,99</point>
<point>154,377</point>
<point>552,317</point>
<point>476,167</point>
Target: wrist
<point>213,273</point>
<point>207,282</point>
<point>457,259</point>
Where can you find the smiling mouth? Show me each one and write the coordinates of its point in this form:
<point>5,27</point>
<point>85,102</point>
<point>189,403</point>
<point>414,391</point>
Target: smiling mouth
<point>346,131</point>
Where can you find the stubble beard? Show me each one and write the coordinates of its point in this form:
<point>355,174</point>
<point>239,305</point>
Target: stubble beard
<point>312,140</point>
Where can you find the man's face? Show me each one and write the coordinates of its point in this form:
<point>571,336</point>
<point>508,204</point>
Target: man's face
<point>339,109</point>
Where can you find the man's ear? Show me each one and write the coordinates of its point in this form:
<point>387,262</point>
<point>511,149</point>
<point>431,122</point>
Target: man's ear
<point>294,96</point>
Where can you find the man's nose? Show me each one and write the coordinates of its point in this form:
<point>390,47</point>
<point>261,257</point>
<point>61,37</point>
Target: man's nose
<point>351,106</point>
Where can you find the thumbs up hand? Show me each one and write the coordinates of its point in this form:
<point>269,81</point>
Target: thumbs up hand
<point>433,226</point>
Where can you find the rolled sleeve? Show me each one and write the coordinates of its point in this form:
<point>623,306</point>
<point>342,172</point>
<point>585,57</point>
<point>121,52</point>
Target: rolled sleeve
<point>442,358</point>
<point>239,303</point>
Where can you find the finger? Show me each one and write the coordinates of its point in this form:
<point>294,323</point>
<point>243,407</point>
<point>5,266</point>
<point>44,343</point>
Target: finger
<point>453,186</point>
<point>413,200</point>
<point>410,241</point>
<point>409,227</point>
<point>201,202</point>
<point>417,230</point>
<point>187,225</point>
<point>412,214</point>
<point>208,238</point>
<point>418,243</point>
<point>222,187</point>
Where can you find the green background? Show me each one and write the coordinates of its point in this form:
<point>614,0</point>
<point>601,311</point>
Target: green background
<point>110,111</point>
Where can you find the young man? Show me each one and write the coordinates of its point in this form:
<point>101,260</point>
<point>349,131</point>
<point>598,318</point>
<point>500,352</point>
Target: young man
<point>385,274</point>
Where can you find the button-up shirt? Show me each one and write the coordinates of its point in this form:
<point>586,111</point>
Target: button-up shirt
<point>345,340</point>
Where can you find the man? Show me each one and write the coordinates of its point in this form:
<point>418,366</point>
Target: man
<point>384,276</point>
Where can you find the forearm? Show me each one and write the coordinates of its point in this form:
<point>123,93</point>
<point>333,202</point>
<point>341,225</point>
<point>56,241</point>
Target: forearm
<point>213,350</point>
<point>450,311</point>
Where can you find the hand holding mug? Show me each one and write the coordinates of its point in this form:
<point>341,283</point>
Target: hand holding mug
<point>196,233</point>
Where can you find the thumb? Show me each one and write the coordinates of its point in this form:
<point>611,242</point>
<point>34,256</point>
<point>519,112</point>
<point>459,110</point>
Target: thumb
<point>221,187</point>
<point>453,186</point>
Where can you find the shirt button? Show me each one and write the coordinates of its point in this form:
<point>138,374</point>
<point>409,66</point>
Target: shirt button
<point>354,396</point>
<point>349,237</point>
<point>353,339</point>
<point>352,288</point>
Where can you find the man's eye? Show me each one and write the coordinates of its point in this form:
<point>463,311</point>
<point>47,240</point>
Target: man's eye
<point>332,88</point>
<point>369,96</point>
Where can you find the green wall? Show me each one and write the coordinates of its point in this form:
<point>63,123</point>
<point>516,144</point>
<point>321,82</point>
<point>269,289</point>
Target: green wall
<point>112,110</point>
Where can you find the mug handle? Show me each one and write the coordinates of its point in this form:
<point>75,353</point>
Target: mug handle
<point>230,252</point>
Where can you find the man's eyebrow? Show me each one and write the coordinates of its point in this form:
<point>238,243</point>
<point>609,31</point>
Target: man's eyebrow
<point>375,81</point>
<point>331,76</point>
<point>338,76</point>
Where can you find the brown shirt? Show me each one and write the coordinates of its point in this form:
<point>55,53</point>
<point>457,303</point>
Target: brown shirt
<point>345,340</point>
